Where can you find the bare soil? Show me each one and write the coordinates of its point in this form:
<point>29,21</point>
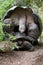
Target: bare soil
<point>22,57</point>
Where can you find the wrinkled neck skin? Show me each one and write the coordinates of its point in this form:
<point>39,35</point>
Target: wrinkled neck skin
<point>22,24</point>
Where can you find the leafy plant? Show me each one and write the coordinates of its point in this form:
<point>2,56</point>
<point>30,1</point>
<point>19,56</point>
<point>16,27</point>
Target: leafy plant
<point>7,46</point>
<point>1,32</point>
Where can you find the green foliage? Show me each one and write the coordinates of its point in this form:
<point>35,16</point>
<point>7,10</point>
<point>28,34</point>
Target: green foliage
<point>11,37</point>
<point>6,4</point>
<point>41,14</point>
<point>7,46</point>
<point>28,2</point>
<point>1,32</point>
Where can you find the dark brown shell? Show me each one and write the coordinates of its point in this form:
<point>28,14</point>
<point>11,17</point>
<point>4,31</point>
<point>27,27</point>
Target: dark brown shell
<point>36,17</point>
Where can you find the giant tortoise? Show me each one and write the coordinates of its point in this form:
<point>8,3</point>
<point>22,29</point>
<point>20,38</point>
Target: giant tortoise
<point>24,24</point>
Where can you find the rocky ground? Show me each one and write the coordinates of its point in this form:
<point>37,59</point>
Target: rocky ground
<point>22,57</point>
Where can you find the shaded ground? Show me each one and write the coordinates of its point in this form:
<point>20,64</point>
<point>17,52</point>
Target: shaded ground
<point>22,57</point>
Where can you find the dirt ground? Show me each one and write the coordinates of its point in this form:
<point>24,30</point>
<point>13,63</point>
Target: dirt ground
<point>22,57</point>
